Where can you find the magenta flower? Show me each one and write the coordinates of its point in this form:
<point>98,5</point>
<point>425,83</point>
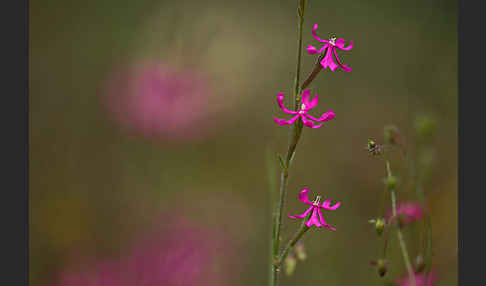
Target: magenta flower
<point>302,113</point>
<point>159,102</point>
<point>180,255</point>
<point>316,218</point>
<point>420,279</point>
<point>407,212</point>
<point>331,53</point>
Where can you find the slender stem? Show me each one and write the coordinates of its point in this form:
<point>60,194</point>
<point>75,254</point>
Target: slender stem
<point>300,13</point>
<point>295,136</point>
<point>290,245</point>
<point>271,171</point>
<point>403,246</point>
<point>313,74</point>
<point>421,196</point>
<point>387,238</point>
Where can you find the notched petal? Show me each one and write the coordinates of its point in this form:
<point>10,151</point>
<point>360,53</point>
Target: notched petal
<point>304,196</point>
<point>312,50</point>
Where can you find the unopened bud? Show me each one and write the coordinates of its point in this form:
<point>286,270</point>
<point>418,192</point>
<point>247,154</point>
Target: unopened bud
<point>300,251</point>
<point>419,264</point>
<point>381,267</point>
<point>380,225</point>
<point>391,182</point>
<point>391,135</point>
<point>290,264</point>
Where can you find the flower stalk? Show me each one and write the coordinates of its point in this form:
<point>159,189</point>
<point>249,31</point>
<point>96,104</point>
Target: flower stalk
<point>403,246</point>
<point>294,139</point>
<point>290,245</point>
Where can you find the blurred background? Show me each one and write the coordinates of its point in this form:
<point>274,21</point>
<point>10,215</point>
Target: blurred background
<point>153,147</point>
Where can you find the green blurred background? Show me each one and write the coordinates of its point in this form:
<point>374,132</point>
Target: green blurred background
<point>95,186</point>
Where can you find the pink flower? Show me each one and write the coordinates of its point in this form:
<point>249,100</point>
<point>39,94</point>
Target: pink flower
<point>302,113</point>
<point>316,217</point>
<point>159,102</point>
<point>407,212</point>
<point>331,53</point>
<point>181,255</point>
<point>420,279</point>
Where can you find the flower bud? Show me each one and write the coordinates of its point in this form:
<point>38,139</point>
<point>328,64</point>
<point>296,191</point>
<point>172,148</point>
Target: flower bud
<point>290,264</point>
<point>381,267</point>
<point>300,251</point>
<point>391,182</point>
<point>380,226</point>
<point>391,135</point>
<point>419,264</point>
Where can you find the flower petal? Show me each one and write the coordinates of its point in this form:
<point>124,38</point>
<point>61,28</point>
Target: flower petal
<point>330,227</point>
<point>327,116</point>
<point>340,44</point>
<point>345,68</point>
<point>327,205</point>
<point>283,122</point>
<point>328,61</point>
<point>311,104</point>
<point>314,220</point>
<point>280,97</point>
<point>302,215</point>
<point>312,50</point>
<point>305,98</point>
<point>304,196</point>
<point>324,223</point>
<point>315,34</point>
<point>309,123</point>
<point>324,117</point>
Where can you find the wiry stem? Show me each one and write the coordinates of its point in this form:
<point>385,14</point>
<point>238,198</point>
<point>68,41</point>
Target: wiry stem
<point>403,246</point>
<point>300,13</point>
<point>290,245</point>
<point>421,196</point>
<point>313,74</point>
<point>294,138</point>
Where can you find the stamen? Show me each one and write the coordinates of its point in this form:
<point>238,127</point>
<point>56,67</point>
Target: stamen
<point>332,40</point>
<point>317,201</point>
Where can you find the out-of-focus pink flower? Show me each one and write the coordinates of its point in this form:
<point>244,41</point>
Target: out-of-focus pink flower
<point>182,255</point>
<point>307,105</point>
<point>316,217</point>
<point>407,212</point>
<point>331,54</point>
<point>159,102</point>
<point>421,279</point>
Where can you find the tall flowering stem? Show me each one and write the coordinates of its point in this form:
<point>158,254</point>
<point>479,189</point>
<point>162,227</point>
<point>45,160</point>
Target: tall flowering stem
<point>294,139</point>
<point>403,246</point>
<point>428,226</point>
<point>424,128</point>
<point>300,13</point>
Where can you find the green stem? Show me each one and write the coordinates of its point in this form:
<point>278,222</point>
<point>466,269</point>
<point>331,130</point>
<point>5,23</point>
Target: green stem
<point>294,139</point>
<point>428,226</point>
<point>300,13</point>
<point>290,245</point>
<point>272,186</point>
<point>403,246</point>
<point>387,238</point>
<point>313,74</point>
